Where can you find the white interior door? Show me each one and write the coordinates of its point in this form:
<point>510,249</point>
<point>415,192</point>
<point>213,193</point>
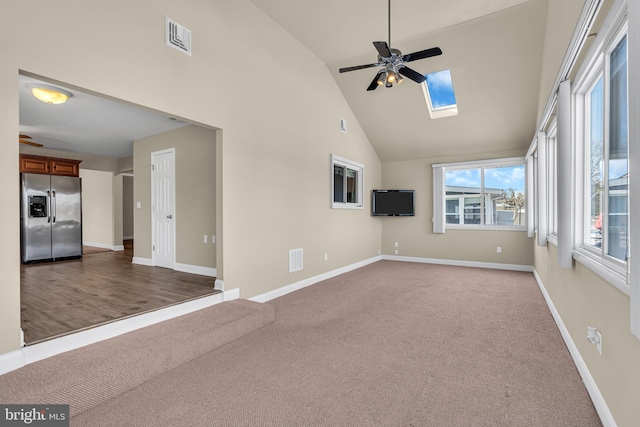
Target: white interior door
<point>163,207</point>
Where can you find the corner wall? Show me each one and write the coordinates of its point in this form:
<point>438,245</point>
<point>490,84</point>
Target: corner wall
<point>195,183</point>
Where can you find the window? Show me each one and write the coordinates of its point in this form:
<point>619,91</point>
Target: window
<point>439,94</point>
<point>480,194</point>
<point>346,179</point>
<point>605,116</point>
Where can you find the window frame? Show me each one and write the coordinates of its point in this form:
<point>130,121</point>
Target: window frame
<point>359,169</point>
<point>552,183</point>
<point>439,112</point>
<point>613,270</point>
<point>440,213</point>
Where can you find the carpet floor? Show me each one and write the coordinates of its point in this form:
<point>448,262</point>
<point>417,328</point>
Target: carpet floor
<point>390,344</point>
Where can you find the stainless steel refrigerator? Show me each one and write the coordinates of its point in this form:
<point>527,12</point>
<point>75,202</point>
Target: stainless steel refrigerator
<point>50,217</point>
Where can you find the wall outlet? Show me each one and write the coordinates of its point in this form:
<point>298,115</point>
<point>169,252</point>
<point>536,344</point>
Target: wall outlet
<point>599,343</point>
<point>499,249</point>
<point>213,239</point>
<point>396,252</point>
<point>205,238</point>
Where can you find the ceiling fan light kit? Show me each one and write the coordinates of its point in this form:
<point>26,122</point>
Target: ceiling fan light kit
<point>49,94</point>
<point>394,63</point>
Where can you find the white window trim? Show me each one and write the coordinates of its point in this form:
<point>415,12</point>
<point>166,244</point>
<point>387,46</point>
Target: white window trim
<point>438,113</point>
<point>633,40</point>
<point>614,271</point>
<point>552,183</point>
<point>359,168</point>
<point>439,197</point>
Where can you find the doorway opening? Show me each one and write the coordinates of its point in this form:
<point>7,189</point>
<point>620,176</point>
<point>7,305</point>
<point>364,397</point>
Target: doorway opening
<point>116,277</point>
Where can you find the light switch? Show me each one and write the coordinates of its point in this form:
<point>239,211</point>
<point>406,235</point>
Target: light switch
<point>138,205</point>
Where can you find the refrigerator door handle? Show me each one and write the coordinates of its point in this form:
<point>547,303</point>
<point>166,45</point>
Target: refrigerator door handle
<point>54,206</point>
<point>48,206</point>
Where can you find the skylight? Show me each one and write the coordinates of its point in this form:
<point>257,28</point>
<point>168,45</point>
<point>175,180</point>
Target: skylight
<point>439,94</point>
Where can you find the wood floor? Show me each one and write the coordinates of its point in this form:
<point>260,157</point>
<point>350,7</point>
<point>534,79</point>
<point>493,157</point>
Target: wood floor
<point>61,297</point>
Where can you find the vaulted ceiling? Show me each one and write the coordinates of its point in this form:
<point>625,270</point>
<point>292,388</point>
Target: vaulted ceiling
<point>492,47</point>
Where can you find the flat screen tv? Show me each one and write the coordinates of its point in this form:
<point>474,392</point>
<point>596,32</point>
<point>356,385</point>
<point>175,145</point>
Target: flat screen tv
<point>393,203</point>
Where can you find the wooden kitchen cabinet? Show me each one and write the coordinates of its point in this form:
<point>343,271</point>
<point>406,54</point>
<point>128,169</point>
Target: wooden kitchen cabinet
<point>65,167</point>
<point>49,165</point>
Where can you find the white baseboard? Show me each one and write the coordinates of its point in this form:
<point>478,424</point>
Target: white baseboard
<point>11,361</point>
<point>598,400</point>
<point>231,294</point>
<point>268,296</point>
<point>35,352</point>
<point>142,261</point>
<point>104,246</point>
<point>185,268</point>
<point>219,285</point>
<point>496,266</point>
<point>195,269</point>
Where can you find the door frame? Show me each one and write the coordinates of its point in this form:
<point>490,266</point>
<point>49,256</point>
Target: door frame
<point>153,187</point>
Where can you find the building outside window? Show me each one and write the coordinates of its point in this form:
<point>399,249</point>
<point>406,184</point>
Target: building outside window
<point>607,156</point>
<point>489,193</point>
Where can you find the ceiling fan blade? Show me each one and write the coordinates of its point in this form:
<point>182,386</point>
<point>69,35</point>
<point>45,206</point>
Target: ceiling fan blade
<point>374,83</point>
<point>383,49</point>
<point>24,136</point>
<point>427,53</point>
<point>25,141</point>
<point>412,74</point>
<point>357,67</point>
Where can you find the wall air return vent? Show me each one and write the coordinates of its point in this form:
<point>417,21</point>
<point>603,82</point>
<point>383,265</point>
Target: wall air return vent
<point>295,260</point>
<point>178,37</point>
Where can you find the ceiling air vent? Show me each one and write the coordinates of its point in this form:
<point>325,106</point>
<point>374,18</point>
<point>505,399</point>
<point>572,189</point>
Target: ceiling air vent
<point>178,37</point>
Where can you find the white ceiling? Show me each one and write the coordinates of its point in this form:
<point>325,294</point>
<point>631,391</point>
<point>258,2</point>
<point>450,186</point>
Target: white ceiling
<point>492,47</point>
<point>90,124</point>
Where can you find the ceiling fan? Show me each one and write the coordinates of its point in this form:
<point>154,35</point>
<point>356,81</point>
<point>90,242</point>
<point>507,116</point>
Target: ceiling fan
<point>26,139</point>
<point>394,63</point>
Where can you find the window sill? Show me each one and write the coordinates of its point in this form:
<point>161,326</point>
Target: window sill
<point>615,277</point>
<point>485,227</point>
<point>346,206</point>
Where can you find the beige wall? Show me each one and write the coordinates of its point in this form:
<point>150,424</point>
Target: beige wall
<point>97,207</point>
<point>117,202</point>
<point>10,214</point>
<point>583,299</point>
<point>561,18</point>
<point>127,206</point>
<point>125,164</point>
<point>195,184</point>
<point>415,235</point>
